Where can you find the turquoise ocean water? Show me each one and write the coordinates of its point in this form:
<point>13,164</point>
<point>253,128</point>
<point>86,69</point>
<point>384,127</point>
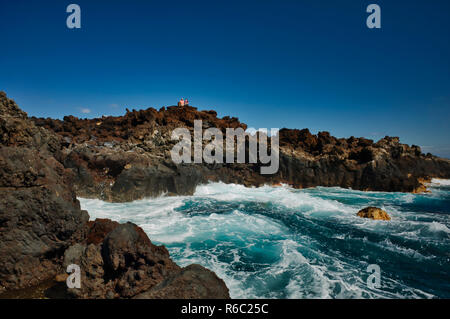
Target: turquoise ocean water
<point>278,242</point>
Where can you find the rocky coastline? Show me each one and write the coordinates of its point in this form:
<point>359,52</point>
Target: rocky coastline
<point>43,230</point>
<point>46,163</point>
<point>125,158</point>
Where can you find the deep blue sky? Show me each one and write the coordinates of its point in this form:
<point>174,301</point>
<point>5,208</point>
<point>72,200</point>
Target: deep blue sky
<point>277,63</point>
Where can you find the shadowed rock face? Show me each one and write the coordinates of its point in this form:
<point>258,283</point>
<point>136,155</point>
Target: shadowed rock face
<point>39,213</point>
<point>128,157</point>
<point>43,229</point>
<point>207,285</point>
<point>119,261</point>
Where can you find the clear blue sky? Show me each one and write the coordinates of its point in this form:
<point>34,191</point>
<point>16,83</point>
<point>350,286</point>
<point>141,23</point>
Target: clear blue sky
<point>277,63</point>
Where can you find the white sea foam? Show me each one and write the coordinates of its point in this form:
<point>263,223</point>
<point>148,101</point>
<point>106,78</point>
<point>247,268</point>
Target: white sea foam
<point>438,227</point>
<point>283,195</point>
<point>440,182</point>
<point>241,234</point>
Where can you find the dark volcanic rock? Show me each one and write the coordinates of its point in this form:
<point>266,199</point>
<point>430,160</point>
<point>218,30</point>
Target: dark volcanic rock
<point>128,157</point>
<point>39,213</point>
<point>98,229</point>
<point>125,264</point>
<point>43,229</point>
<point>357,163</point>
<point>133,261</point>
<point>197,282</point>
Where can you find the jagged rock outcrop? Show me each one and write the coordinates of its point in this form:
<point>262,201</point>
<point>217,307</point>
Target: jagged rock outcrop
<point>43,229</point>
<point>128,157</point>
<point>206,285</point>
<point>373,213</point>
<point>356,163</point>
<point>39,213</point>
<point>119,261</point>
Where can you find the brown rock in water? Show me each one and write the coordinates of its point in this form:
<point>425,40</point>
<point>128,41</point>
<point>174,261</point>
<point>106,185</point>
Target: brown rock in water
<point>422,188</point>
<point>373,213</point>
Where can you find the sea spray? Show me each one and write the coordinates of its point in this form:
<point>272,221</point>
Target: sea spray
<point>279,242</point>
